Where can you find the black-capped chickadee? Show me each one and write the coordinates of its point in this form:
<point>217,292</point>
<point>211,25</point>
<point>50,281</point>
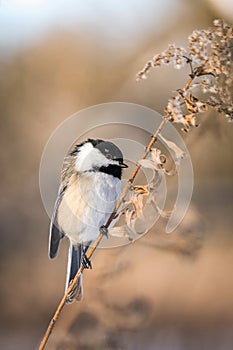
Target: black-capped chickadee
<point>89,190</point>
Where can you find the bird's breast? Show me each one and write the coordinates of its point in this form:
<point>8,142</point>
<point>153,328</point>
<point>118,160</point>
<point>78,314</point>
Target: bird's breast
<point>87,203</point>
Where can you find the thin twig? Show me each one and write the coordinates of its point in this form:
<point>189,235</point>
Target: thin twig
<point>214,68</point>
<point>92,249</point>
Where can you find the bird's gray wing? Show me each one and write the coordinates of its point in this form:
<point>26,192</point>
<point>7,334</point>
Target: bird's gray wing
<point>55,233</point>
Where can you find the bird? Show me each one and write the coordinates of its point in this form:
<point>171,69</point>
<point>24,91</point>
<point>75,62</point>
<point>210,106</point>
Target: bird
<point>89,190</point>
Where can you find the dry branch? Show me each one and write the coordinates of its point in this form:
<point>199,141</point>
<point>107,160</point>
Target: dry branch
<point>92,249</point>
<point>209,54</point>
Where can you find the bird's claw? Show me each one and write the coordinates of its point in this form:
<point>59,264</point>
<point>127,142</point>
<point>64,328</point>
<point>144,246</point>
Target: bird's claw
<point>86,263</point>
<point>104,231</point>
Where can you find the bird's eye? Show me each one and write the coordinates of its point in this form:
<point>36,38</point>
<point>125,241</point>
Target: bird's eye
<point>109,156</point>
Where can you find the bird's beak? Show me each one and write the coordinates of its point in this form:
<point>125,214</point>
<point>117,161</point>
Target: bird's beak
<point>123,165</point>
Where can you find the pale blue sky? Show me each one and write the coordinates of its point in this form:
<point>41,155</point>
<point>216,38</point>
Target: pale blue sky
<point>24,20</point>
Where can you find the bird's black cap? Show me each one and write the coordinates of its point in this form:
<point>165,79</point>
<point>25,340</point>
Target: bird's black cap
<point>110,150</point>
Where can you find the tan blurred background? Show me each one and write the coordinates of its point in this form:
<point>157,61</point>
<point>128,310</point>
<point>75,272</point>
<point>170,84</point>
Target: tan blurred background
<point>162,292</point>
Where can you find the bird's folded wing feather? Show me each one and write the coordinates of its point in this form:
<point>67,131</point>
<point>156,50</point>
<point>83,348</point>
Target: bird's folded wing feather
<point>56,234</point>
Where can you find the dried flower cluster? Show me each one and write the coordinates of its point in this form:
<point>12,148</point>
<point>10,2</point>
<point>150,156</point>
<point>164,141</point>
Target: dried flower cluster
<point>209,56</point>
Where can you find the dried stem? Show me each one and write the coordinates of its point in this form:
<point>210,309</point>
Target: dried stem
<point>217,63</point>
<point>92,248</point>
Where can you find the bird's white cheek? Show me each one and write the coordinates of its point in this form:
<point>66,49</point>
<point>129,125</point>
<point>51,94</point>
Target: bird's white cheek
<point>88,158</point>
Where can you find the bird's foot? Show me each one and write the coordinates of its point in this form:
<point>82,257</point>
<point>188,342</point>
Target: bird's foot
<point>104,230</point>
<point>86,263</point>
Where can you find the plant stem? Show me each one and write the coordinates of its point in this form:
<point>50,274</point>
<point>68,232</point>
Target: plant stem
<point>92,248</point>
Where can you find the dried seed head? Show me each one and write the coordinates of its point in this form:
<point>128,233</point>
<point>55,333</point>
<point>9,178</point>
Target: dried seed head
<point>209,56</point>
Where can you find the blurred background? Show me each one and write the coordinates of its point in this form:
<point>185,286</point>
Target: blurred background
<point>162,292</point>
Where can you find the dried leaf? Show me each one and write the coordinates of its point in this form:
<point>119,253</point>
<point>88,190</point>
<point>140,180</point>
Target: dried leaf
<point>179,153</point>
<point>155,160</point>
<point>141,190</point>
<point>153,201</point>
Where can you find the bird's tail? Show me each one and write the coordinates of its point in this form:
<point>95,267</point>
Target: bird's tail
<point>74,262</point>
